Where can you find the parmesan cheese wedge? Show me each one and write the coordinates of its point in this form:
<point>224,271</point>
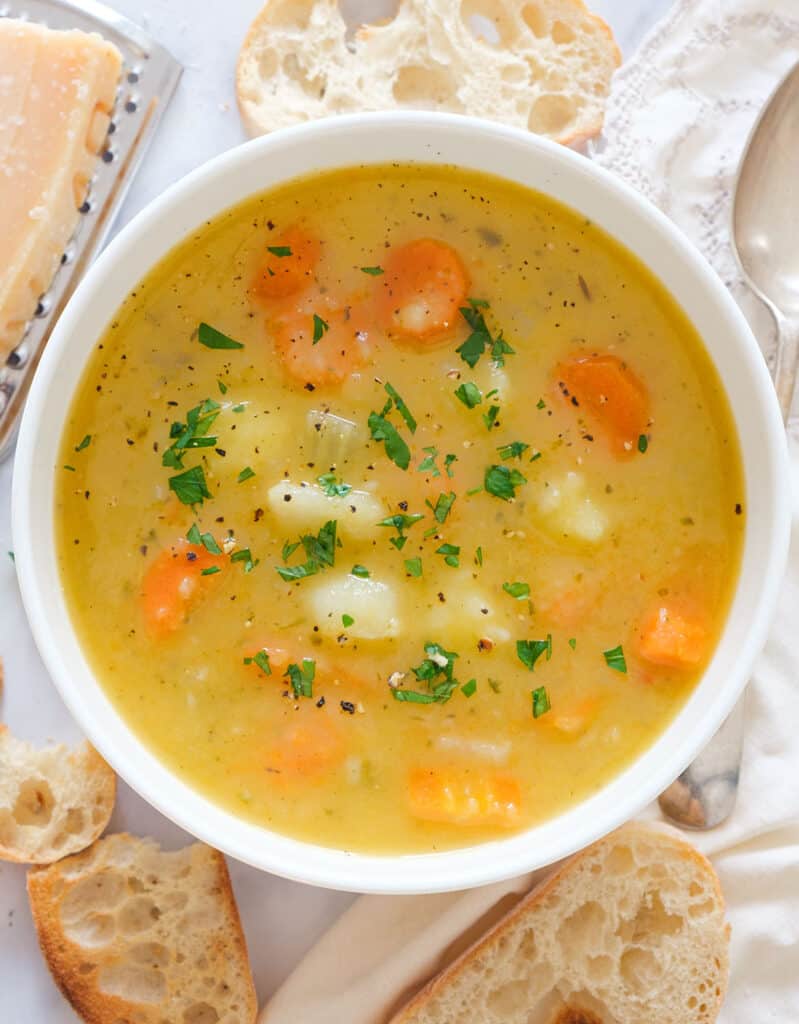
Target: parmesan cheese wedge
<point>56,94</point>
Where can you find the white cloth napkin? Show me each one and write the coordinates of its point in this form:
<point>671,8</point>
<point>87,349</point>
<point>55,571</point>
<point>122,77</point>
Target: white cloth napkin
<point>678,119</point>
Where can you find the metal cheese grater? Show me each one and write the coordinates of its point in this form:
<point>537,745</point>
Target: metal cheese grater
<point>147,81</point>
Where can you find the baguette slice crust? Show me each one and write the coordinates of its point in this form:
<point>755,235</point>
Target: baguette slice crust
<point>132,934</point>
<point>53,801</point>
<point>544,65</point>
<point>630,931</point>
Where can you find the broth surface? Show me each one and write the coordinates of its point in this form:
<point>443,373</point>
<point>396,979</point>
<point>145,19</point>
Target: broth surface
<point>579,576</point>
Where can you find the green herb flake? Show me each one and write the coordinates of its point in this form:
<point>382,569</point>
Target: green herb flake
<point>280,251</point>
<point>540,404</point>
<point>222,387</point>
<point>70,468</point>
<point>320,328</point>
<point>212,338</point>
<point>396,448</point>
<point>206,539</point>
<point>529,651</point>
<point>190,486</point>
<point>288,549</point>
<point>401,522</point>
<point>643,443</point>
<point>320,552</point>
<point>499,349</point>
<point>614,658</point>
<point>332,487</point>
<point>402,408</point>
<point>502,482</point>
<point>469,688</point>
<point>245,556</point>
<point>442,507</point>
<point>413,566</point>
<point>302,677</point>
<point>473,490</point>
<point>84,443</point>
<point>261,659</point>
<point>448,463</point>
<point>360,571</point>
<point>478,556</point>
<point>210,571</point>
<point>372,271</point>
<point>540,702</point>
<point>572,643</point>
<point>490,417</point>
<point>428,463</point>
<point>194,433</point>
<point>437,671</point>
<point>246,474</point>
<point>450,553</point>
<point>469,394</point>
<point>481,338</point>
<point>239,408</point>
<point>518,591</point>
<point>414,696</point>
<point>347,620</point>
<point>514,450</point>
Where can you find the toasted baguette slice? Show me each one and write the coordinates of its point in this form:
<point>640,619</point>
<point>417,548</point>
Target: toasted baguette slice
<point>545,65</point>
<point>137,935</point>
<point>630,931</point>
<point>53,801</point>
<point>56,93</point>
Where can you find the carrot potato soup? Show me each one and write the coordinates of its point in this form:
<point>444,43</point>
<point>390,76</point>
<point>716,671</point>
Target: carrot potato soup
<point>399,508</point>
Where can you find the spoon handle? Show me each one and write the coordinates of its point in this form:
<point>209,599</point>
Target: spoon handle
<point>787,363</point>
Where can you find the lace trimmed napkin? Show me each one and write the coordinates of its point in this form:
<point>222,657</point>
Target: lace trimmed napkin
<point>678,118</point>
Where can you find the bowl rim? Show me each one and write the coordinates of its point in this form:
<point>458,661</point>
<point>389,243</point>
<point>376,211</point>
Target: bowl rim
<point>304,861</point>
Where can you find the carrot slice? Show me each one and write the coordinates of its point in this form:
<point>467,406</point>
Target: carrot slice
<point>423,286</point>
<point>320,351</point>
<point>573,718</point>
<point>174,583</point>
<point>307,750</point>
<point>288,265</point>
<point>675,634</point>
<point>458,799</point>
<point>611,394</point>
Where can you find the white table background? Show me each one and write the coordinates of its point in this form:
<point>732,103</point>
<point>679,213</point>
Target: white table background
<point>281,919</point>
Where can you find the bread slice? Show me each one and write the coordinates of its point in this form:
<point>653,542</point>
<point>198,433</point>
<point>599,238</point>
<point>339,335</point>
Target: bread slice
<point>630,931</point>
<point>57,89</point>
<point>545,65</point>
<point>53,801</point>
<point>133,934</point>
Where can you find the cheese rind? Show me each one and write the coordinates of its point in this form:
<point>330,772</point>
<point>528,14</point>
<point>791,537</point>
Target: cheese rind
<point>57,91</point>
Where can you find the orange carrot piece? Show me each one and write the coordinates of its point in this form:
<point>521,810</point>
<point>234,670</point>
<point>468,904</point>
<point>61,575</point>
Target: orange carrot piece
<point>611,394</point>
<point>307,750</point>
<point>674,634</point>
<point>279,276</point>
<point>423,286</point>
<point>453,797</point>
<point>572,718</point>
<point>174,583</point>
<point>341,350</point>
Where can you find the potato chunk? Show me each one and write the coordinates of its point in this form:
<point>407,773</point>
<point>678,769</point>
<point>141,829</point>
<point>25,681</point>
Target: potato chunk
<point>305,506</point>
<point>371,604</point>
<point>566,509</point>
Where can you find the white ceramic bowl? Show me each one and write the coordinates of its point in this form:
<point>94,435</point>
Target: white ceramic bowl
<point>434,138</point>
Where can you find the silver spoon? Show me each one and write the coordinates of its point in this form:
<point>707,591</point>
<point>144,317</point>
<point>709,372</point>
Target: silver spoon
<point>764,239</point>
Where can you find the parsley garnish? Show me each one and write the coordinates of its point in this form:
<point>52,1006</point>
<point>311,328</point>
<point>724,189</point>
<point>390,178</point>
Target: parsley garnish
<point>437,671</point>
<point>530,651</point>
<point>206,539</point>
<point>469,394</point>
<point>519,591</point>
<point>301,678</point>
<point>643,443</point>
<point>413,566</point>
<point>320,551</point>
<point>572,643</point>
<point>490,417</point>
<point>222,387</point>
<point>540,404</point>
<point>332,487</point>
<point>191,434</point>
<point>478,556</point>
<point>615,659</point>
<point>450,553</point>
<point>374,271</point>
<point>239,408</point>
<point>212,338</point>
<point>401,521</point>
<point>288,549</point>
<point>347,620</point>
<point>442,506</point>
<point>514,450</point>
<point>70,468</point>
<point>190,486</point>
<point>245,555</point>
<point>468,688</point>
<point>428,463</point>
<point>481,338</point>
<point>540,702</point>
<point>448,461</point>
<point>210,571</point>
<point>279,250</point>
<point>502,482</point>
<point>396,448</point>
<point>360,571</point>
<point>261,659</point>
<point>320,328</point>
<point>402,408</point>
<point>245,474</point>
<point>84,443</point>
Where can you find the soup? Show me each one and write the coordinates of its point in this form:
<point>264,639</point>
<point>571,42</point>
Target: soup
<point>399,507</point>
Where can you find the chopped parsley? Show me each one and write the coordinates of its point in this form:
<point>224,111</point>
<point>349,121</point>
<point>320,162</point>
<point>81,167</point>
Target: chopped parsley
<point>481,338</point>
<point>70,468</point>
<point>261,659</point>
<point>502,482</point>
<point>279,250</point>
<point>222,387</point>
<point>373,271</point>
<point>239,408</point>
<point>320,552</point>
<point>320,328</point>
<point>347,620</point>
<point>206,539</point>
<point>428,463</point>
<point>540,702</point>
<point>615,659</point>
<point>448,462</point>
<point>245,474</point>
<point>519,591</point>
<point>413,566</point>
<point>469,394</point>
<point>643,443</point>
<point>302,677</point>
<point>190,486</point>
<point>402,408</point>
<point>540,404</point>
<point>333,488</point>
<point>529,651</point>
<point>194,433</point>
<point>490,417</point>
<point>478,556</point>
<point>443,504</point>
<point>572,642</point>
<point>288,549</point>
<point>210,571</point>
<point>360,571</point>
<point>437,670</point>
<point>450,553</point>
<point>84,443</point>
<point>469,688</point>
<point>245,555</point>
<point>212,338</point>
<point>514,450</point>
<point>401,522</point>
<point>396,448</point>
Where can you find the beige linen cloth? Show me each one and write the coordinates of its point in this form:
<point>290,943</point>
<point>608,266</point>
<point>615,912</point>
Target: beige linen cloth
<point>678,119</point>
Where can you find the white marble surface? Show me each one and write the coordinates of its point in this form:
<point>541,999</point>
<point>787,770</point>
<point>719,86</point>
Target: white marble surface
<point>281,919</point>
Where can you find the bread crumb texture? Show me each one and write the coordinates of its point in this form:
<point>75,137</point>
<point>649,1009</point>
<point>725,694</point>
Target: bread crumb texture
<point>134,935</point>
<point>543,65</point>
<point>53,801</point>
<point>631,931</point>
